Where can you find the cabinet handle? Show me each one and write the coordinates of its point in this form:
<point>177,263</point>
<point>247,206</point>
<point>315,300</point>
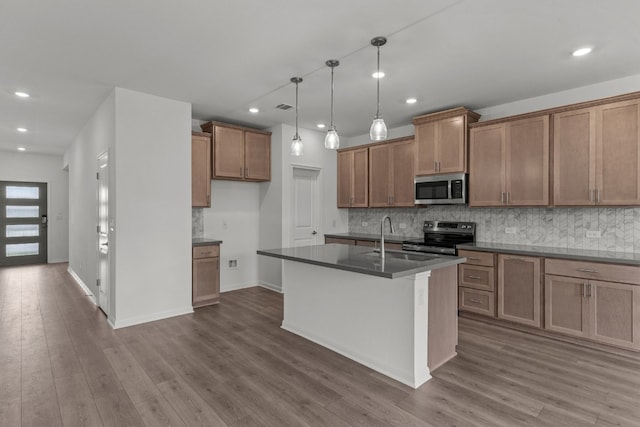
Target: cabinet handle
<point>475,258</point>
<point>474,277</point>
<point>438,166</point>
<point>597,195</point>
<point>474,301</point>
<point>435,166</point>
<point>588,290</point>
<point>508,197</point>
<point>586,270</point>
<point>502,197</point>
<point>582,290</point>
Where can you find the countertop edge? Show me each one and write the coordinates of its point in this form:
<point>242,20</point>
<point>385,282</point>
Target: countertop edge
<point>370,237</point>
<point>201,241</point>
<point>538,251</point>
<point>442,264</point>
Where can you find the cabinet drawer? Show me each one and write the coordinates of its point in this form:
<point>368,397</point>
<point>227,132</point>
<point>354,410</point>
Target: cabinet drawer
<point>206,251</point>
<point>476,276</point>
<point>478,258</point>
<point>477,301</point>
<point>593,270</point>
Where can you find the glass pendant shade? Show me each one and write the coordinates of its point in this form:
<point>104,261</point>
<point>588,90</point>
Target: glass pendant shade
<point>296,146</point>
<point>332,140</point>
<point>378,131</point>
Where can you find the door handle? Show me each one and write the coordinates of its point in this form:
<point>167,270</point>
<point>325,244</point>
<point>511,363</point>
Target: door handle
<point>314,232</point>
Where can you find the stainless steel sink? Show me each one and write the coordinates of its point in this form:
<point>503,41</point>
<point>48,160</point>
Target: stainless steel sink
<point>408,256</point>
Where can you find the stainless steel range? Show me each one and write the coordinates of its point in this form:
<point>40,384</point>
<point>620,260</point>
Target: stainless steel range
<point>441,237</point>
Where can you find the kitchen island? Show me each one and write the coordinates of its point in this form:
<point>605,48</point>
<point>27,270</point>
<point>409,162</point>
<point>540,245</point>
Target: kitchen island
<point>396,315</point>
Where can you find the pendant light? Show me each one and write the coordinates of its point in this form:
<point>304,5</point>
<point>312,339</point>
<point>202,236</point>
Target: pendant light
<point>296,144</point>
<point>332,140</point>
<point>378,131</point>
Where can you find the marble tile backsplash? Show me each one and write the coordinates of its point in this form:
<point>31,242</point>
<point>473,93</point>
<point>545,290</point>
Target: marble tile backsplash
<point>197,222</point>
<point>552,227</point>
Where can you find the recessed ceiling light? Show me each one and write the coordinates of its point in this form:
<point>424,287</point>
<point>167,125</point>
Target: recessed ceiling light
<point>21,129</point>
<point>21,94</point>
<point>22,149</point>
<point>378,75</point>
<point>582,51</point>
<point>411,100</point>
<point>254,110</point>
<point>321,125</point>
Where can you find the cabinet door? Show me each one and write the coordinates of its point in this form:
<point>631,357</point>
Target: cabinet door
<point>618,154</point>
<point>257,156</point>
<point>200,171</point>
<point>566,308</point>
<point>487,166</point>
<point>615,313</point>
<point>345,173</point>
<point>450,145</point>
<point>425,163</point>
<point>574,154</point>
<point>519,289</point>
<point>228,152</point>
<point>401,174</point>
<point>206,281</point>
<point>379,170</point>
<point>360,178</point>
<point>527,162</point>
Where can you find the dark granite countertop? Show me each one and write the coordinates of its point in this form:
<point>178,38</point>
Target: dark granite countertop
<point>550,252</point>
<point>389,238</point>
<point>361,259</point>
<point>204,241</point>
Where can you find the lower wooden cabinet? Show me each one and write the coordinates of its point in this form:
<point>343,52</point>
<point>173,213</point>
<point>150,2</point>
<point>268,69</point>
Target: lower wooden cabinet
<point>206,275</point>
<point>329,240</point>
<point>519,289</point>
<point>476,283</point>
<point>606,312</point>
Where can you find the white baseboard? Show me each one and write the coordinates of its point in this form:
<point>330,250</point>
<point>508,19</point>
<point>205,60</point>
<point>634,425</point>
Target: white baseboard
<point>235,287</point>
<point>84,287</point>
<point>270,286</point>
<point>150,317</point>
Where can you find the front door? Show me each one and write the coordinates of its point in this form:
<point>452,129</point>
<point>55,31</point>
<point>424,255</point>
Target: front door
<point>23,223</point>
<point>306,204</point>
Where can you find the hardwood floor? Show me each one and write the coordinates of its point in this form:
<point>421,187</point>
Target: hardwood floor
<point>231,364</point>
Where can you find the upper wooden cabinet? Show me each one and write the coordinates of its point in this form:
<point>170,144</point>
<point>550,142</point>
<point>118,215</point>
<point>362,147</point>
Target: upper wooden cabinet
<point>353,178</point>
<point>240,153</point>
<point>391,173</point>
<point>509,163</point>
<point>200,169</point>
<point>596,155</point>
<point>441,141</point>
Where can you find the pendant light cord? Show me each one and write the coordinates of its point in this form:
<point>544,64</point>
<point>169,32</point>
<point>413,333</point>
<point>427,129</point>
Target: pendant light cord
<point>331,128</point>
<point>296,137</point>
<point>378,110</point>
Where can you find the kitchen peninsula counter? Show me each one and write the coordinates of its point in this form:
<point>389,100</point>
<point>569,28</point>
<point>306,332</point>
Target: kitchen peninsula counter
<point>397,316</point>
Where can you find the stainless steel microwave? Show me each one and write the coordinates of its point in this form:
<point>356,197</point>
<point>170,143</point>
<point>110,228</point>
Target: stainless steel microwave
<point>448,189</point>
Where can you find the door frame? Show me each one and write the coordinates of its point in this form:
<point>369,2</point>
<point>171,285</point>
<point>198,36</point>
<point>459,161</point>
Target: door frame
<point>103,278</point>
<point>317,211</point>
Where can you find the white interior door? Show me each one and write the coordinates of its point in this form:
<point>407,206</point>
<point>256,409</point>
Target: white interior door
<point>305,218</point>
<point>103,233</point>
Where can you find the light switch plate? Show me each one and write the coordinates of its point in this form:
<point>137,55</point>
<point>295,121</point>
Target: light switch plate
<point>510,230</point>
<point>365,223</point>
<point>594,234</point>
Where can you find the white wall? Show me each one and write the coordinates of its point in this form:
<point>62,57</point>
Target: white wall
<point>97,136</point>
<point>233,218</point>
<point>149,144</point>
<point>153,207</point>
<point>44,168</point>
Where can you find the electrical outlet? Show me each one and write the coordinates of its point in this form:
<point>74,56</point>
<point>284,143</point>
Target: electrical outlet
<point>365,224</point>
<point>594,234</point>
<point>510,230</point>
<point>233,264</point>
<point>403,225</point>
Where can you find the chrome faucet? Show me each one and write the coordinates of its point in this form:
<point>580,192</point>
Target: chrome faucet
<point>382,234</point>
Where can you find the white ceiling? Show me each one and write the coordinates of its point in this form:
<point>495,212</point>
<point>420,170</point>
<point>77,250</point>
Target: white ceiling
<point>224,56</point>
